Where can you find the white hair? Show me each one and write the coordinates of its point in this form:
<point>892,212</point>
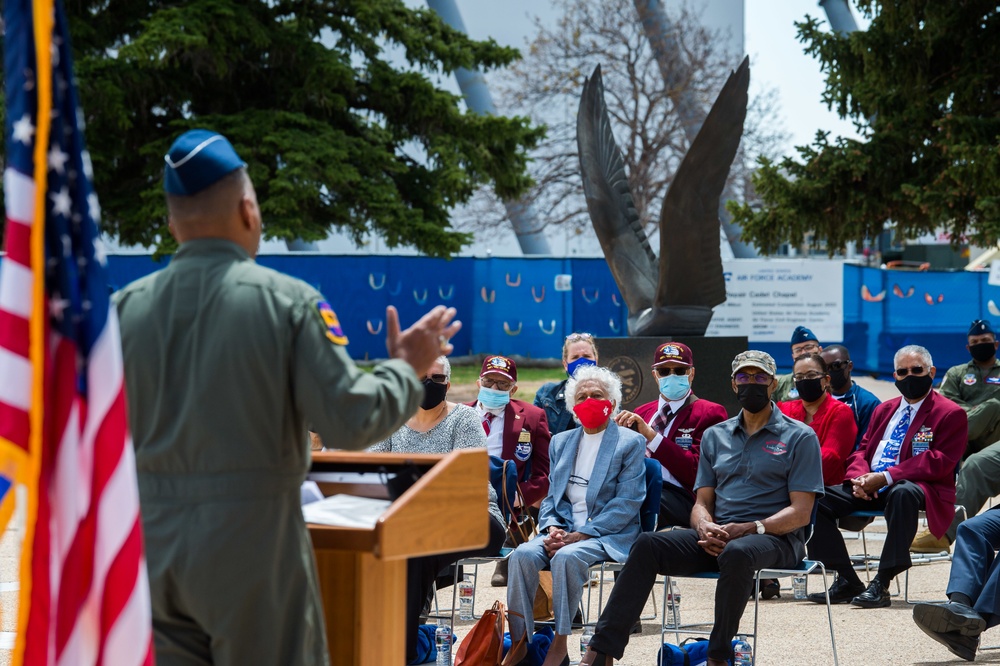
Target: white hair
<point>608,380</point>
<point>443,360</point>
<point>925,356</point>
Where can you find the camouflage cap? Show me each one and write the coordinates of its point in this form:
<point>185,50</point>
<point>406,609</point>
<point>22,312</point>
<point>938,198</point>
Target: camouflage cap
<point>755,359</point>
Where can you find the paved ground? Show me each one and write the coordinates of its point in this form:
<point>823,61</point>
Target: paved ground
<point>790,631</point>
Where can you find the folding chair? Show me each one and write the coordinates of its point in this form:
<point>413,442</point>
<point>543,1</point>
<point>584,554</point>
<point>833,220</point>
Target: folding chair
<point>919,558</point>
<point>805,567</point>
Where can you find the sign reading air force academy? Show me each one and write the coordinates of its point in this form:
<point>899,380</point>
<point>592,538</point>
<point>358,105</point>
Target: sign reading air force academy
<point>766,300</point>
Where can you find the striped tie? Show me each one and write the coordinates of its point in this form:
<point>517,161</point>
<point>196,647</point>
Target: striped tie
<point>663,419</point>
<point>486,422</point>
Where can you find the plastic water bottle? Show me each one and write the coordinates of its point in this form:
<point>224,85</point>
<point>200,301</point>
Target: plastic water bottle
<point>800,587</point>
<point>466,598</point>
<point>442,641</point>
<point>742,652</point>
<point>588,633</point>
<point>674,604</point>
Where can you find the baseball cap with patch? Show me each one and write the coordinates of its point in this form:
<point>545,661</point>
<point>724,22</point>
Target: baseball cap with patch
<point>199,158</point>
<point>755,359</point>
<point>500,365</point>
<point>673,352</point>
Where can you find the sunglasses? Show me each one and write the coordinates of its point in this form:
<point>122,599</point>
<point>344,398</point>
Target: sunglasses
<point>438,379</point>
<point>665,372</point>
<point>573,337</point>
<point>838,365</point>
<point>915,370</point>
<point>752,378</point>
<point>499,385</point>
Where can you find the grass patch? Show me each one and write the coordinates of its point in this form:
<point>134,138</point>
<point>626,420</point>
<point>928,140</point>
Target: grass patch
<point>468,374</point>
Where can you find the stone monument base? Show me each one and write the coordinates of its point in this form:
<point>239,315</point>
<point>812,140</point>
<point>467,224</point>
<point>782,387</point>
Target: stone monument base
<point>631,358</point>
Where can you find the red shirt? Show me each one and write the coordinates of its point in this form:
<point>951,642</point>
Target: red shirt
<point>837,430</point>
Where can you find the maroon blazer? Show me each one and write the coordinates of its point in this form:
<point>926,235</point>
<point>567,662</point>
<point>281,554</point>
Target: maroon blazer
<point>526,442</point>
<point>691,421</point>
<point>944,426</point>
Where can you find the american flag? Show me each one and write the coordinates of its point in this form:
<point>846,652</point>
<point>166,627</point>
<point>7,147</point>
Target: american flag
<point>84,592</point>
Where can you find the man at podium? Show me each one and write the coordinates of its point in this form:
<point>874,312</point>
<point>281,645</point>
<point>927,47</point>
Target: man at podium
<point>226,362</point>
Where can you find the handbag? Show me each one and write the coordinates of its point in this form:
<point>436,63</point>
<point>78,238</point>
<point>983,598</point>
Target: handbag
<point>483,646</point>
<point>522,528</point>
<point>542,609</point>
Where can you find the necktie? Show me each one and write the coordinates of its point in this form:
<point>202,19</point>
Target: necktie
<point>891,450</point>
<point>487,419</point>
<point>663,419</point>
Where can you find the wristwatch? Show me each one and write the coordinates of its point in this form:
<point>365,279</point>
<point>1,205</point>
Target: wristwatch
<point>760,526</point>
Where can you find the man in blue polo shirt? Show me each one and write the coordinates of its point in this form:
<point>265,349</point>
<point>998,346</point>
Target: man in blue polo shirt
<point>758,477</point>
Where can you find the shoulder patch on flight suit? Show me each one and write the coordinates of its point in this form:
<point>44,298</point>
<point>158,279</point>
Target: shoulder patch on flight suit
<point>333,330</point>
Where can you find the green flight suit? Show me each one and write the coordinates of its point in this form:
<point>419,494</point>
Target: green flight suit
<point>786,389</point>
<point>226,362</point>
<point>977,391</point>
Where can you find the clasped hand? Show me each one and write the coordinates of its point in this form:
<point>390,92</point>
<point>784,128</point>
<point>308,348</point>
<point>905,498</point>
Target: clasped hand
<point>867,486</point>
<point>558,538</point>
<point>713,537</point>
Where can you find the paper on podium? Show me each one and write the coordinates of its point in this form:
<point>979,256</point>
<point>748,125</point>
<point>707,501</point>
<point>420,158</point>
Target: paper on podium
<point>345,511</point>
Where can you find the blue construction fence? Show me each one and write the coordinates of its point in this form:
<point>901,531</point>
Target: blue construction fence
<point>527,306</point>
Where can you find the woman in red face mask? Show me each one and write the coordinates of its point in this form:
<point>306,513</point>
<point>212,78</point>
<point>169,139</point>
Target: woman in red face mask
<point>591,514</point>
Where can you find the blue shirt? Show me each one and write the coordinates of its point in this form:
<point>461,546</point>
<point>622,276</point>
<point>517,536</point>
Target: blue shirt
<point>863,403</point>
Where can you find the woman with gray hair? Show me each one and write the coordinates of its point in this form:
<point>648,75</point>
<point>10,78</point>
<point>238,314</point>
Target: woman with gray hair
<point>591,513</point>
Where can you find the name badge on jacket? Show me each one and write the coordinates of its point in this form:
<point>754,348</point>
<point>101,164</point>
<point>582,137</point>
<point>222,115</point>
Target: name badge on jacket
<point>922,440</point>
<point>523,450</point>
<point>684,439</point>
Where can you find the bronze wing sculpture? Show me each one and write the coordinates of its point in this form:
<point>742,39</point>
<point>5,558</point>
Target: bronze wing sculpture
<point>675,294</point>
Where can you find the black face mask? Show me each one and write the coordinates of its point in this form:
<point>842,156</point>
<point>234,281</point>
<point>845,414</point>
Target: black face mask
<point>912,387</point>
<point>810,390</point>
<point>433,394</point>
<point>838,379</point>
<point>752,397</point>
<point>983,352</point>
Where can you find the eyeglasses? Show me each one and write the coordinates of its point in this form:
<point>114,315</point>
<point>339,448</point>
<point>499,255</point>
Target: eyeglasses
<point>664,372</point>
<point>838,365</point>
<point>498,384</point>
<point>752,378</point>
<point>915,370</point>
<point>808,375</point>
<point>438,379</point>
<point>807,348</point>
<point>573,337</point>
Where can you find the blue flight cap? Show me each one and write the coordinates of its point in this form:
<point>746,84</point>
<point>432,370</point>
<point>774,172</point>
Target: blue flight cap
<point>980,327</point>
<point>802,334</point>
<point>197,159</point>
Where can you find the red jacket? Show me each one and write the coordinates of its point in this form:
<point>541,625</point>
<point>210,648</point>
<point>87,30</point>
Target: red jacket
<point>691,421</point>
<point>837,430</point>
<point>945,425</point>
<point>521,417</point>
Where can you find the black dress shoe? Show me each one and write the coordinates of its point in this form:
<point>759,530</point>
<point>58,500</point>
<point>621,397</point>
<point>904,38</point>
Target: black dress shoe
<point>841,592</point>
<point>951,617</point>
<point>959,645</point>
<point>771,589</point>
<point>876,596</point>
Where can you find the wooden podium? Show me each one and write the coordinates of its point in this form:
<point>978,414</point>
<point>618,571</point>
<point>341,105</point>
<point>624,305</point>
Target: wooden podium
<point>362,572</point>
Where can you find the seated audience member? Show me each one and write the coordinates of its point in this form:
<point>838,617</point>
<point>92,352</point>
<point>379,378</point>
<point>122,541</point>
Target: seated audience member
<point>514,431</point>
<point>591,513</point>
<point>861,401</point>
<point>803,342</point>
<point>673,426</point>
<point>579,350</point>
<point>906,463</point>
<point>973,604</point>
<point>758,476</point>
<point>975,387</point>
<point>439,426</point>
<point>832,421</point>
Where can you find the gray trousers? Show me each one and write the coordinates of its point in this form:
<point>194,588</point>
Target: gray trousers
<point>570,571</point>
<point>978,480</point>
